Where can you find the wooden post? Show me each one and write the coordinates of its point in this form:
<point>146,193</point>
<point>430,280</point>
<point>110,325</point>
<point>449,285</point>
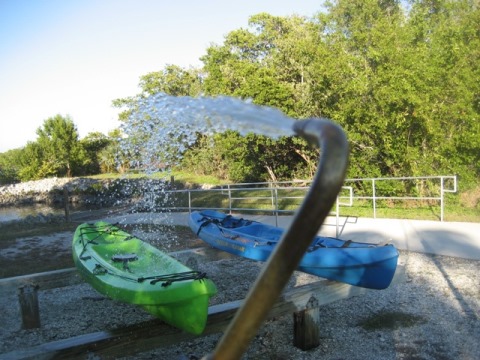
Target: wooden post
<point>28,299</point>
<point>306,326</point>
<point>66,204</point>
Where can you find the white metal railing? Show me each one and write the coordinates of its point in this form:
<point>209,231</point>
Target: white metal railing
<point>446,184</point>
<point>240,197</point>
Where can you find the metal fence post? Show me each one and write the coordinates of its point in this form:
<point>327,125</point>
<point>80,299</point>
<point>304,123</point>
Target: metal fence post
<point>441,198</point>
<point>229,199</point>
<point>272,194</point>
<point>276,207</point>
<point>374,200</point>
<point>337,220</point>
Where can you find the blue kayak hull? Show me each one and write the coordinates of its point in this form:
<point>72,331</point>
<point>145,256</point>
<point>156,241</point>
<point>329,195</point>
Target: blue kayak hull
<point>359,264</point>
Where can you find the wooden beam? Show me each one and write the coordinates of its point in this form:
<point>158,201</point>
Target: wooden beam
<point>67,277</point>
<point>46,280</point>
<point>153,334</point>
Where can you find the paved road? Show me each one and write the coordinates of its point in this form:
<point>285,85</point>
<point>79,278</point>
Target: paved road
<point>434,237</point>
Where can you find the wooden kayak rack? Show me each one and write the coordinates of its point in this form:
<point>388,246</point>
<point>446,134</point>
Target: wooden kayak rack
<point>303,301</point>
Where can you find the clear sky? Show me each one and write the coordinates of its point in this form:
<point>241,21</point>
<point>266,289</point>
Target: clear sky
<point>73,57</point>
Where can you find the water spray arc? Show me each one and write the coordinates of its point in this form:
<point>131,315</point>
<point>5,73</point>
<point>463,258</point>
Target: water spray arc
<point>277,271</point>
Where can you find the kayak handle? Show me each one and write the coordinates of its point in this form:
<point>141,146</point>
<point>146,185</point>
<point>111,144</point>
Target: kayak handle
<point>287,254</point>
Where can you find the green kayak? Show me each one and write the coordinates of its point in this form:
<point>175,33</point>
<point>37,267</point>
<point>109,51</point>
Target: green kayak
<point>125,268</point>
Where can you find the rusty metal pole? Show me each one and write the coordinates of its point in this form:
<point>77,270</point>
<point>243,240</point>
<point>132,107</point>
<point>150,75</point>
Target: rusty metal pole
<point>296,239</point>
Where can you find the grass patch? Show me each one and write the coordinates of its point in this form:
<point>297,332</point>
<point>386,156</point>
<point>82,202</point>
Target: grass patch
<point>179,176</point>
<point>391,320</point>
<point>196,179</point>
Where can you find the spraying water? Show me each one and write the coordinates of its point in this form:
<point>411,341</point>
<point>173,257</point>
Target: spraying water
<point>162,124</point>
<point>212,114</point>
<point>162,127</point>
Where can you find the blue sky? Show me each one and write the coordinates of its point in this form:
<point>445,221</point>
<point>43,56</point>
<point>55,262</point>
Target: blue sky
<point>73,57</point>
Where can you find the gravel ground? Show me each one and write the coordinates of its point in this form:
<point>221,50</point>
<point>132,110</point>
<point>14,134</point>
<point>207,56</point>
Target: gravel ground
<point>433,314</point>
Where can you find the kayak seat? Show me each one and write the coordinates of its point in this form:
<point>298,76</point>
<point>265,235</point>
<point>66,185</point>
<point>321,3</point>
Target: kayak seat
<point>124,257</point>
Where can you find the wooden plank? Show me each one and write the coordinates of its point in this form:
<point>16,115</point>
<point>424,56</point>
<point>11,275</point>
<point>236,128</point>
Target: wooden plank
<point>45,280</point>
<point>154,334</point>
<point>67,277</point>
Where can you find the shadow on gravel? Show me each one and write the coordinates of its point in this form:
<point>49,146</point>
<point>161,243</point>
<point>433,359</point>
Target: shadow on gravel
<point>391,320</point>
<point>452,241</point>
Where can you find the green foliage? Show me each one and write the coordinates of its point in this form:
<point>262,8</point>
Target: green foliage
<point>93,145</point>
<point>59,146</point>
<point>173,80</point>
<point>204,159</point>
<point>400,77</point>
<point>250,158</point>
<point>403,85</point>
<point>31,162</point>
<point>10,166</point>
<point>57,152</point>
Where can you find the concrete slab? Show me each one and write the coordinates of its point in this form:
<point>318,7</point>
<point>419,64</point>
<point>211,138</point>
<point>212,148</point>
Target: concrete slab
<point>433,237</point>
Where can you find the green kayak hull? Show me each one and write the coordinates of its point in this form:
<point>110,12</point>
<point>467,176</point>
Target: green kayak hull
<point>125,268</point>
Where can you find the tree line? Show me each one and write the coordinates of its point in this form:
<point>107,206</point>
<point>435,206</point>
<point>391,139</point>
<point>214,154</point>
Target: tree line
<point>401,77</point>
<point>58,151</point>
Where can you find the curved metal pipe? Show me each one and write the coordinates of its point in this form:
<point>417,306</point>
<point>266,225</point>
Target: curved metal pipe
<point>295,241</point>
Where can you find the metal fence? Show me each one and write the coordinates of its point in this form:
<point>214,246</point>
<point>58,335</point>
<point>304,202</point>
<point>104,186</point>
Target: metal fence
<point>419,188</point>
<point>278,198</point>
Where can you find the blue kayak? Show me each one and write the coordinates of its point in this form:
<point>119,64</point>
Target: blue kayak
<point>360,264</point>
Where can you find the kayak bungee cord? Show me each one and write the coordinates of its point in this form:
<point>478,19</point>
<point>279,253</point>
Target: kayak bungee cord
<point>165,279</point>
<point>170,278</point>
<point>108,229</point>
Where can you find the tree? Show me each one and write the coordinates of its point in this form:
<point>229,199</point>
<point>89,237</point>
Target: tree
<point>265,64</point>
<point>447,32</point>
<point>92,145</point>
<point>10,166</point>
<point>270,65</point>
<point>249,158</point>
<point>58,141</point>
<point>402,84</point>
<point>363,82</point>
<point>402,81</point>
<point>31,160</point>
<point>172,80</point>
<point>111,158</point>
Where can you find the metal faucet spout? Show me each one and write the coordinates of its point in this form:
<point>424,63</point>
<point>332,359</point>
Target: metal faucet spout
<point>285,258</point>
